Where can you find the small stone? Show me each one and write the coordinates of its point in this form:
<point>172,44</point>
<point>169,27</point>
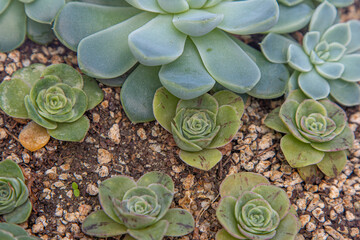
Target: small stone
<point>33,137</point>
<point>3,134</point>
<point>339,208</point>
<point>75,228</point>
<point>84,209</point>
<point>301,203</point>
<point>314,203</point>
<point>61,229</point>
<point>354,232</point>
<point>333,215</point>
<point>92,189</point>
<point>63,176</point>
<point>70,217</point>
<point>265,142</point>
<point>189,181</point>
<point>104,156</point>
<point>304,219</point>
<point>318,214</point>
<point>65,167</point>
<point>349,216</point>
<point>355,118</point>
<point>334,192</point>
<point>114,133</point>
<point>141,133</point>
<point>59,211</point>
<point>310,227</point>
<point>103,171</point>
<point>59,184</point>
<point>96,117</point>
<point>155,147</point>
<point>332,232</point>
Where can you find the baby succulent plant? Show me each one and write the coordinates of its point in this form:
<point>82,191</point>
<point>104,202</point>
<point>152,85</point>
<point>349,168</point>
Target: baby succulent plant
<point>200,125</point>
<point>15,206</point>
<point>296,14</point>
<point>317,134</point>
<point>55,97</point>
<point>251,208</point>
<point>13,232</point>
<point>327,63</point>
<point>21,18</point>
<point>139,209</point>
<point>182,45</point>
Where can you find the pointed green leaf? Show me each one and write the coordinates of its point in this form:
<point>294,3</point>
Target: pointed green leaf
<point>333,163</point>
<point>314,85</point>
<point>98,224</point>
<point>204,160</point>
<point>224,235</point>
<point>287,228</point>
<point>323,17</point>
<point>3,5</point>
<point>39,32</point>
<point>335,113</point>
<point>6,235</point>
<point>345,93</point>
<point>20,214</point>
<point>299,154</point>
<point>275,47</point>
<point>352,70</point>
<point>93,92</point>
<point>164,198</point>
<point>146,5</point>
<point>43,11</point>
<point>344,140</point>
<point>153,232</point>
<point>274,121</point>
<point>174,6</point>
<point>330,70</point>
<point>15,230</point>
<point>336,51</point>
<point>34,115</point>
<point>339,33</point>
<point>297,59</point>
<point>203,102</point>
<point>309,173</point>
<point>66,74</point>
<point>137,102</point>
<point>73,132</point>
<point>311,39</point>
<point>156,177</point>
<point>307,107</point>
<point>226,97</point>
<point>164,107</point>
<point>354,43</point>
<point>181,222</point>
<point>8,168</point>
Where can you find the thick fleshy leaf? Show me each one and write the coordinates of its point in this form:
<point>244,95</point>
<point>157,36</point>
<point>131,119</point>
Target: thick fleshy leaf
<point>3,5</point>
<point>205,101</point>
<point>34,115</point>
<point>108,2</point>
<point>39,33</point>
<point>335,113</point>
<point>227,63</point>
<point>275,196</point>
<point>336,51</point>
<point>333,163</point>
<point>224,235</point>
<point>229,122</point>
<point>93,92</point>
<point>186,77</point>
<point>354,44</point>
<point>323,17</point>
<point>66,74</point>
<point>181,222</point>
<point>292,84</point>
<point>114,57</point>
<point>197,22</point>
<point>292,18</point>
<point>196,3</point>
<point>274,121</point>
<point>226,215</point>
<point>114,187</point>
<point>211,3</point>
<point>137,102</point>
<point>308,107</point>
<point>309,173</point>
<point>236,184</point>
<point>299,154</point>
<point>314,85</point>
<point>339,33</point>
<point>226,97</point>
<point>15,230</point>
<point>182,142</point>
<point>345,93</point>
<point>146,5</point>
<point>20,214</point>
<point>12,26</point>
<point>204,159</point>
<point>153,232</point>
<point>297,95</point>
<point>330,70</point>
<point>6,235</point>
<point>164,197</point>
<point>156,177</point>
<point>311,39</point>
<point>173,6</point>
<point>297,59</point>
<point>8,168</point>
<point>74,131</point>
<point>43,11</point>
<point>164,107</point>
<point>275,47</point>
<point>287,228</point>
<point>100,225</point>
<point>341,3</point>
<point>352,69</point>
<point>152,50</point>
<point>113,82</point>
<point>245,17</point>
<point>31,74</point>
<point>344,140</point>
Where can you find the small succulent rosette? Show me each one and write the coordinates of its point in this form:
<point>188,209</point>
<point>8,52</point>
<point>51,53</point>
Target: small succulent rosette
<point>327,63</point>
<point>21,18</point>
<point>139,209</point>
<point>317,134</point>
<point>200,125</point>
<point>296,14</point>
<point>251,208</point>
<point>55,97</point>
<point>15,206</point>
<point>13,232</point>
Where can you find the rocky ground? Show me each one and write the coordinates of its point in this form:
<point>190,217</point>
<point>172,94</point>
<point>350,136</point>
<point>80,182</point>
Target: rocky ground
<point>328,209</point>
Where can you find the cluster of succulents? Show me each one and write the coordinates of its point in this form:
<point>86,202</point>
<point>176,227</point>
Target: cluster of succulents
<point>13,232</point>
<point>15,206</point>
<point>139,209</point>
<point>55,97</point>
<point>200,125</point>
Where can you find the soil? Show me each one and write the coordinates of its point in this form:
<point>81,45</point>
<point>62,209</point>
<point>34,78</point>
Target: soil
<point>328,208</point>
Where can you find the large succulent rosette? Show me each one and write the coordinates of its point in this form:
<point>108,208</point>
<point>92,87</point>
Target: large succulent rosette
<point>13,232</point>
<point>33,18</point>
<point>327,63</point>
<point>251,208</point>
<point>139,209</point>
<point>317,134</point>
<point>55,97</point>
<point>200,125</point>
<point>15,205</point>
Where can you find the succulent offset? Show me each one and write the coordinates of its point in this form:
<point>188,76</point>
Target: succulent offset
<point>139,209</point>
<point>55,97</point>
<point>252,208</point>
<point>328,62</point>
<point>165,37</point>
<point>296,14</point>
<point>15,205</point>
<point>317,134</point>
<point>31,18</point>
<point>200,125</point>
<point>13,232</point>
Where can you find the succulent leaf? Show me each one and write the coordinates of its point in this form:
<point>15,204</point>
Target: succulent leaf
<point>346,93</point>
<point>36,10</point>
<point>156,177</point>
<point>354,44</point>
<point>333,163</point>
<point>287,227</point>
<point>19,214</point>
<point>274,121</point>
<point>275,46</point>
<point>351,71</point>
<point>153,232</point>
<point>310,173</point>
<point>73,131</point>
<point>324,16</point>
<point>181,222</point>
<point>38,32</point>
<point>202,159</point>
<point>164,107</point>
<point>314,85</point>
<point>13,232</point>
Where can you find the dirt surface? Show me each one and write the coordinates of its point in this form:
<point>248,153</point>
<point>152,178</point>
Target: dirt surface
<point>328,209</point>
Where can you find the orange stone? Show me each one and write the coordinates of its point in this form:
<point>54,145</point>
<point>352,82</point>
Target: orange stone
<point>33,137</point>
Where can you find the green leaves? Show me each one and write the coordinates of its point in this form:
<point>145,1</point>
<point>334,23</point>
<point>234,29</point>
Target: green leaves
<point>13,232</point>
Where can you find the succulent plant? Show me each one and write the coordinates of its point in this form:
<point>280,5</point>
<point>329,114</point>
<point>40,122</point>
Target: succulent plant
<point>317,134</point>
<point>327,63</point>
<point>55,97</point>
<point>15,205</point>
<point>13,232</point>
<point>252,208</point>
<point>296,14</point>
<point>33,18</point>
<point>200,125</point>
<point>165,37</point>
<point>139,209</point>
